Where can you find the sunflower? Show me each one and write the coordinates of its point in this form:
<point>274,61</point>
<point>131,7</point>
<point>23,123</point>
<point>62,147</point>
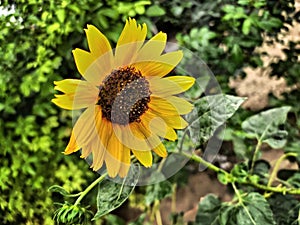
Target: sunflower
<point>129,105</point>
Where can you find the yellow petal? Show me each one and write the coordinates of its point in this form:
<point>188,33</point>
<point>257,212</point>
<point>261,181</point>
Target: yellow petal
<point>132,137</point>
<point>72,86</point>
<point>69,85</point>
<point>174,121</point>
<point>92,68</point>
<point>164,87</point>
<point>132,32</point>
<point>98,154</point>
<point>72,145</point>
<point>162,106</point>
<point>98,43</point>
<point>95,146</point>
<point>83,60</point>
<point>130,41</point>
<point>182,106</point>
<point>86,151</point>
<point>125,166</point>
<point>100,143</point>
<point>78,94</point>
<point>151,138</point>
<point>68,102</point>
<point>171,105</point>
<point>145,157</point>
<point>85,128</point>
<point>160,150</point>
<point>158,126</point>
<point>153,48</point>
<point>160,66</point>
<point>113,156</point>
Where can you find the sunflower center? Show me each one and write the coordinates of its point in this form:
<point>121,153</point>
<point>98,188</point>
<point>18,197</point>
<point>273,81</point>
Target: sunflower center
<point>124,95</point>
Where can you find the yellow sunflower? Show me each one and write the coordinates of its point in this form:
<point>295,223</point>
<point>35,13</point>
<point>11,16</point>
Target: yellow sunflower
<point>129,103</point>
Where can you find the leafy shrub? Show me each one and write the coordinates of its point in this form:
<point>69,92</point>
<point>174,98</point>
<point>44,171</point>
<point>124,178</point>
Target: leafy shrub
<point>36,42</point>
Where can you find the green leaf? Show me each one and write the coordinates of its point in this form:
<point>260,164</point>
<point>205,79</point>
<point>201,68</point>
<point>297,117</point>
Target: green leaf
<point>265,126</point>
<point>270,24</point>
<point>285,208</point>
<point>211,112</point>
<point>247,26</point>
<point>155,10</point>
<point>253,210</point>
<point>111,195</point>
<point>61,15</point>
<point>208,210</point>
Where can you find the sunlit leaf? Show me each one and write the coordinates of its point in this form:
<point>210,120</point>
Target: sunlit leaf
<point>265,126</point>
<point>210,113</point>
<point>155,10</point>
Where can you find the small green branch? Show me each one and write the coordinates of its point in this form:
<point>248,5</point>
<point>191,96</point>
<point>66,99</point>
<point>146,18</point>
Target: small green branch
<point>236,191</point>
<point>282,190</point>
<point>173,203</point>
<point>89,188</point>
<point>255,155</point>
<point>200,160</point>
<point>154,210</point>
<point>277,165</point>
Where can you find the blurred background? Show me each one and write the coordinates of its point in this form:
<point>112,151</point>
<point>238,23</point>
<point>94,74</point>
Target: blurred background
<point>252,47</point>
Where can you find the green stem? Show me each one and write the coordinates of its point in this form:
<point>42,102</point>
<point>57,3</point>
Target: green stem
<point>254,158</point>
<point>200,160</point>
<point>89,188</point>
<point>277,165</point>
<point>155,207</point>
<point>282,190</point>
<point>236,191</point>
<point>173,202</point>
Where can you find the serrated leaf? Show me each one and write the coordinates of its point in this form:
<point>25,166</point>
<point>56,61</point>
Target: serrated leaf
<point>253,210</point>
<point>58,189</point>
<point>265,126</point>
<point>285,208</point>
<point>208,210</point>
<point>111,195</point>
<point>211,112</point>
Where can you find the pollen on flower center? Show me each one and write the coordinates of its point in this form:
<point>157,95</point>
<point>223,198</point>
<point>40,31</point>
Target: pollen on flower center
<point>124,95</point>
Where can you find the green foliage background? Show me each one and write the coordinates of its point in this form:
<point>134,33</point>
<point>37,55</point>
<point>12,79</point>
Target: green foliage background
<point>36,43</point>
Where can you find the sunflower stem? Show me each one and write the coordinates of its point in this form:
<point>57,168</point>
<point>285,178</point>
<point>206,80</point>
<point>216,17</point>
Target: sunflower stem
<point>89,188</point>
